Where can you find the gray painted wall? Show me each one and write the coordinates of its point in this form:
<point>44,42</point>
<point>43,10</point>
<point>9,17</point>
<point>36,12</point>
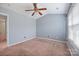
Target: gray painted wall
<point>52,26</point>
<point>19,26</point>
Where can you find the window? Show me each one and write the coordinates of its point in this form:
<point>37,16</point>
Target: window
<point>73,24</point>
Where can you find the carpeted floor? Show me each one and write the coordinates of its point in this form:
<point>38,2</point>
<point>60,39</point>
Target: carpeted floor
<point>37,47</point>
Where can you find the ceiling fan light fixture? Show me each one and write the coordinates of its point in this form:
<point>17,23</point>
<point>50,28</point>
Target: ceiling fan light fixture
<point>36,9</point>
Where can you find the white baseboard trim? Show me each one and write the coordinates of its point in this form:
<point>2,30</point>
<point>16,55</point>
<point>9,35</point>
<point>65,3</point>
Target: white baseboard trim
<point>70,52</point>
<point>37,38</point>
<point>22,41</point>
<point>69,48</point>
<point>51,39</point>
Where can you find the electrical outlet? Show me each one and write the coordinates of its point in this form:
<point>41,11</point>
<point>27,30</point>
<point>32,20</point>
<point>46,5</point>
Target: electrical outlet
<point>24,36</point>
<point>48,36</point>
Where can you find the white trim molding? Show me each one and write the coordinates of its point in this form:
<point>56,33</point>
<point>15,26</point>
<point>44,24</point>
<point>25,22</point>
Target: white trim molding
<point>74,50</point>
<point>51,39</point>
<point>22,41</point>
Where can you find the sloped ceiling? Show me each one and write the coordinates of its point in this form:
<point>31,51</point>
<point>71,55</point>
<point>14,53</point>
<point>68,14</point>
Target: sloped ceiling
<point>52,8</point>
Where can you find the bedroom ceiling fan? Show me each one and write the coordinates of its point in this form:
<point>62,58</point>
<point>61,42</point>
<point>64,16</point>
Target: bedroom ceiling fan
<point>36,9</point>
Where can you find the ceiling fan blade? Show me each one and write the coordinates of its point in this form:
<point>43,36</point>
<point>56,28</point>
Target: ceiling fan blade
<point>35,5</point>
<point>42,9</point>
<point>29,10</point>
<point>33,13</point>
<point>40,13</point>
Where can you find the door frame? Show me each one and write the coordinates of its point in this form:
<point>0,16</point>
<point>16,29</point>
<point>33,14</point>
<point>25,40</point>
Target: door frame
<point>7,26</point>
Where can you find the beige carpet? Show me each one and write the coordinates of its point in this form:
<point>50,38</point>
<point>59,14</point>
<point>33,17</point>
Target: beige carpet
<point>37,47</point>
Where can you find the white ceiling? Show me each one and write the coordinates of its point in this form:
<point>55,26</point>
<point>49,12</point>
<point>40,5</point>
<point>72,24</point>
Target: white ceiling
<point>52,8</point>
